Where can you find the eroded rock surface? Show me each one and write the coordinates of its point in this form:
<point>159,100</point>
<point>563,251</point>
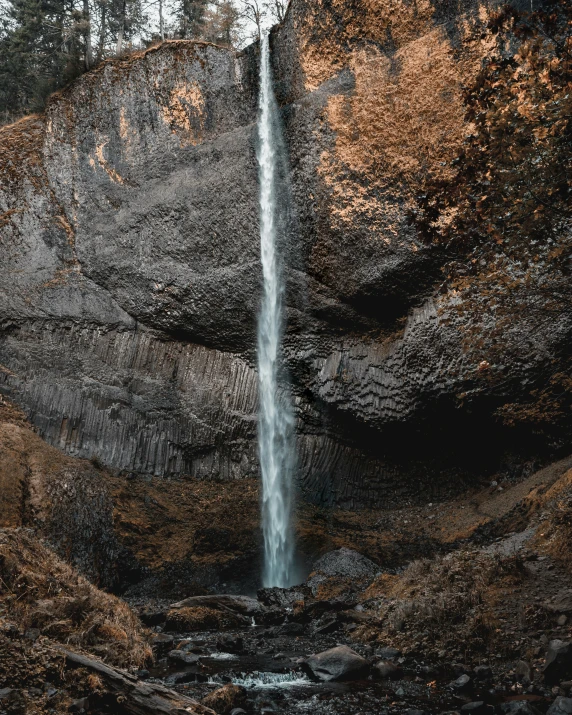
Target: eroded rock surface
<point>129,231</point>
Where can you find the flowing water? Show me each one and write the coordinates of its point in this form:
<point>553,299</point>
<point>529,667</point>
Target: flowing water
<point>275,434</point>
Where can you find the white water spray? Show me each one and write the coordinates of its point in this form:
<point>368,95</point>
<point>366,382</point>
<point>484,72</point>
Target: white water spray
<point>275,414</point>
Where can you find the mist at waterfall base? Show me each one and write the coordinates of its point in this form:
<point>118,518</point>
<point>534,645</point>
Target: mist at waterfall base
<point>275,420</point>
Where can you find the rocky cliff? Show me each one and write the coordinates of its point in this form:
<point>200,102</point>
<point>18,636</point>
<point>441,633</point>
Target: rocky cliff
<point>129,234</point>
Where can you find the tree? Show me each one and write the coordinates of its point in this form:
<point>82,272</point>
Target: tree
<point>191,18</point>
<point>42,46</point>
<point>222,24</point>
<point>254,12</point>
<point>277,9</point>
<point>125,20</point>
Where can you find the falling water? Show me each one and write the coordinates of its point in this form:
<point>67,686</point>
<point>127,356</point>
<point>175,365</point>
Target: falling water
<point>275,413</point>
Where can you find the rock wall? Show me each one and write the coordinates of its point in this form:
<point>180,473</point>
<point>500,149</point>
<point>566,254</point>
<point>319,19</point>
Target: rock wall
<point>129,232</point>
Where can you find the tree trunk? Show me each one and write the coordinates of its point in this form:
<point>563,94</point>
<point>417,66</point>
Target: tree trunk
<point>121,31</point>
<point>161,21</point>
<point>135,696</point>
<point>102,29</point>
<point>87,36</point>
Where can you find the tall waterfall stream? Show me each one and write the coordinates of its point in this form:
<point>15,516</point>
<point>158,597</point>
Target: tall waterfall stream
<point>275,434</point>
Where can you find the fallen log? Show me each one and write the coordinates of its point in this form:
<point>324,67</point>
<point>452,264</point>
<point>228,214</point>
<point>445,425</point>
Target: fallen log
<point>134,696</point>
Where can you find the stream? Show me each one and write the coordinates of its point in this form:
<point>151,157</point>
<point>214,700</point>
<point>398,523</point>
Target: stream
<point>267,664</point>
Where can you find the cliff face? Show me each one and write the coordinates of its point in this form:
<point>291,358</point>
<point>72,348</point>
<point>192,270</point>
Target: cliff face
<point>131,270</point>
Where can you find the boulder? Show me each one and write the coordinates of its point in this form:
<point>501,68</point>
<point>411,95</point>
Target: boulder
<point>244,605</point>
<point>203,619</point>
<point>558,662</point>
<point>340,663</point>
<point>182,657</point>
<point>561,706</point>
<point>226,699</point>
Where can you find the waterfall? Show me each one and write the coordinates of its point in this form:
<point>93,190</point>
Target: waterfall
<point>275,421</point>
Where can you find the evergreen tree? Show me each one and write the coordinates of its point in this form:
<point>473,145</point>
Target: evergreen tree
<point>191,16</point>
<point>42,46</point>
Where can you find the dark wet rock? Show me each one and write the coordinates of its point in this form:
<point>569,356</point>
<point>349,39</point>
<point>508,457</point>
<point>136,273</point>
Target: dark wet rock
<point>561,602</point>
<point>430,671</point>
<point>281,597</point>
<point>230,644</point>
<point>238,711</point>
<point>483,672</point>
<point>226,699</point>
<point>152,617</point>
<point>478,707</point>
<point>339,663</point>
<point>558,662</point>
<point>182,657</point>
<point>561,706</point>
<point>191,646</point>
<point>386,670</point>
<point>162,642</point>
<point>181,677</point>
<point>6,693</point>
<point>519,707</point>
<point>523,672</point>
<point>463,682</point>
<point>326,624</point>
<point>311,610</point>
<point>388,653</point>
<point>291,629</point>
<point>141,674</point>
<point>460,669</point>
<point>270,617</point>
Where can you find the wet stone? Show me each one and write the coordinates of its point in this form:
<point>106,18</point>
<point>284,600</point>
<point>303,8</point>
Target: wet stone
<point>463,682</point>
<point>561,706</point>
<point>340,663</point>
<point>558,662</point>
<point>162,642</point>
<point>483,672</point>
<point>387,670</point>
<point>181,656</point>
